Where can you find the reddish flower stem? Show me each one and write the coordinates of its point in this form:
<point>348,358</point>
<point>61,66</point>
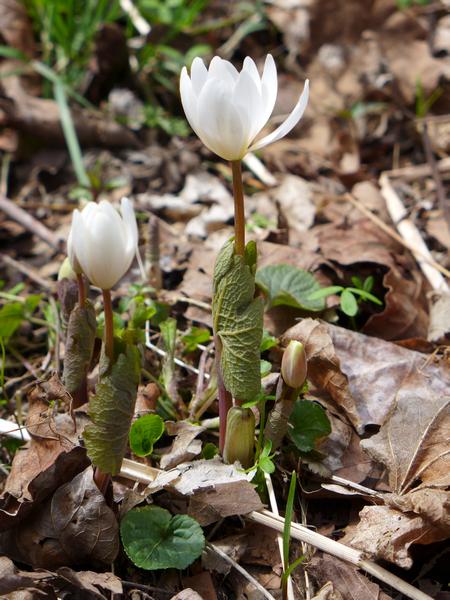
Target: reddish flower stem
<point>109,324</point>
<point>239,214</point>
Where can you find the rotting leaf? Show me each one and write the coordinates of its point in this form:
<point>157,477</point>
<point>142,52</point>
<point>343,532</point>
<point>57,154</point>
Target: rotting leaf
<point>417,455</point>
<point>80,339</point>
<point>111,411</point>
<point>75,526</point>
<point>289,286</point>
<point>154,539</point>
<point>185,446</point>
<point>238,321</point>
<point>52,457</point>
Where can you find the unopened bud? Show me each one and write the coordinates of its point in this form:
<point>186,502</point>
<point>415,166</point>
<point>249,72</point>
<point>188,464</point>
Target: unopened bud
<point>66,271</point>
<point>240,437</point>
<point>293,365</point>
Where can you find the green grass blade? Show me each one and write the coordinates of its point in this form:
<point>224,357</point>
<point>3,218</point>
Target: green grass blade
<point>288,520</point>
<point>70,135</point>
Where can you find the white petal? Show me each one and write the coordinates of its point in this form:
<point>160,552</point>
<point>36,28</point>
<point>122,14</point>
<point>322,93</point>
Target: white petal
<point>188,99</point>
<point>199,75</point>
<point>223,70</point>
<point>269,86</point>
<point>248,102</point>
<point>79,240</point>
<point>250,67</point>
<point>130,226</point>
<point>288,124</point>
<point>75,263</point>
<point>222,129</point>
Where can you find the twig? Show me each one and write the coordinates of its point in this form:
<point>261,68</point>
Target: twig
<point>136,18</point>
<point>29,222</point>
<point>411,236</point>
<point>418,171</point>
<point>240,569</point>
<point>28,271</point>
<point>440,192</point>
<point>426,258</point>
<point>274,507</point>
<point>149,344</point>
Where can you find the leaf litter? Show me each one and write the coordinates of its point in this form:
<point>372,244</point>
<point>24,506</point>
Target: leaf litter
<point>385,389</point>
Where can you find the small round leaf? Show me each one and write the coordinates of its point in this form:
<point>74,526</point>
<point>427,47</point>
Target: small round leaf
<point>154,539</point>
<point>309,423</point>
<point>144,432</point>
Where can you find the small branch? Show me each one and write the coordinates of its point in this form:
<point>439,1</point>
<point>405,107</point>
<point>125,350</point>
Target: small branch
<point>411,236</point>
<point>440,192</point>
<point>28,271</point>
<point>16,213</point>
<point>239,214</point>
<point>240,569</point>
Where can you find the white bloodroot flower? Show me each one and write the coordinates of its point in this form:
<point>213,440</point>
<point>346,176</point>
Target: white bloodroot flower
<point>101,243</point>
<point>228,109</point>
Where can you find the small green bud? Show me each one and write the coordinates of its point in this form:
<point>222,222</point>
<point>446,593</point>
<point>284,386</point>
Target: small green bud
<point>240,437</point>
<point>293,365</point>
<point>66,271</point>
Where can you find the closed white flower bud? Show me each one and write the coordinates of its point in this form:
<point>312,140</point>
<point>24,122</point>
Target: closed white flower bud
<point>228,109</point>
<point>293,365</point>
<point>101,243</point>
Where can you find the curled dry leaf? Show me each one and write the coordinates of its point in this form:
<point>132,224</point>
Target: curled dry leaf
<point>216,490</point>
<point>51,458</point>
<point>184,446</point>
<point>74,527</point>
<point>52,585</point>
<point>345,579</point>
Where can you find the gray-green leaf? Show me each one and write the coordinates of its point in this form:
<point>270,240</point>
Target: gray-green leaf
<point>238,322</point>
<point>153,539</point>
<point>348,303</point>
<point>79,346</point>
<point>289,286</point>
<point>111,411</point>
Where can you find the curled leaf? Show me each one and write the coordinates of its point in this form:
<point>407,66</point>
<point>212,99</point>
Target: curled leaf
<point>111,411</point>
<point>79,346</point>
<point>238,321</point>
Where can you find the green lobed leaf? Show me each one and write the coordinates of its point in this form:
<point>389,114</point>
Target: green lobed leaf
<point>289,286</point>
<point>238,321</point>
<point>111,411</point>
<point>308,424</point>
<point>81,330</point>
<point>144,432</point>
<point>154,539</point>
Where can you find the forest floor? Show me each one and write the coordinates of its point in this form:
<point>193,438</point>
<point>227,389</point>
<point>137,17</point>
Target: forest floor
<point>356,198</point>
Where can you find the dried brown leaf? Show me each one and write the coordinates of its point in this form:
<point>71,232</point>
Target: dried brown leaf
<point>185,446</point>
<point>51,458</point>
<point>347,581</point>
<point>74,527</point>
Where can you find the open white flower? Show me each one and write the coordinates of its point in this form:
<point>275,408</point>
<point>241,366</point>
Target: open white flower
<point>102,243</point>
<point>228,109</point>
